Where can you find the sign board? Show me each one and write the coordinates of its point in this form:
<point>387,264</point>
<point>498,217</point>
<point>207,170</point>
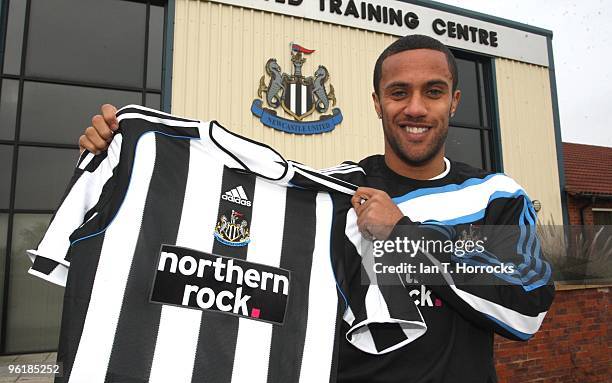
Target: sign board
<point>400,19</point>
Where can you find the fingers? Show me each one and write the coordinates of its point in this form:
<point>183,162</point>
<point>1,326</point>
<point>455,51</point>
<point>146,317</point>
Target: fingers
<point>109,114</point>
<point>372,196</point>
<point>101,128</point>
<point>92,141</point>
<point>98,136</point>
<point>361,195</point>
<point>86,144</point>
<point>376,213</point>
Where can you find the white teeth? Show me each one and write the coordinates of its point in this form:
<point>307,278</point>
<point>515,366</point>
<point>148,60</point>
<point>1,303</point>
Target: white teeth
<point>411,129</point>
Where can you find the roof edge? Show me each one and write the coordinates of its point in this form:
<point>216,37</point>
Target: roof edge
<point>481,16</point>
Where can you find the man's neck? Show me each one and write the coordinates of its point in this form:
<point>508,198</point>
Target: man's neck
<point>423,171</point>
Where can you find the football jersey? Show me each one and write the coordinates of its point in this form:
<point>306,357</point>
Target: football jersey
<point>191,254</point>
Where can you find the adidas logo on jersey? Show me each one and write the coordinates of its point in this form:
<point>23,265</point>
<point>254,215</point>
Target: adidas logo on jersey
<point>237,195</point>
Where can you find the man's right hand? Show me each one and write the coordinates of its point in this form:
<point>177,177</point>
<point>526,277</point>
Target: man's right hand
<point>97,137</point>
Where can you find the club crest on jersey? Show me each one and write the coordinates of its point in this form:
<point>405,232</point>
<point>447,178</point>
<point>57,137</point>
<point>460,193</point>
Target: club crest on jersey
<point>232,231</point>
<point>471,233</point>
<point>299,96</point>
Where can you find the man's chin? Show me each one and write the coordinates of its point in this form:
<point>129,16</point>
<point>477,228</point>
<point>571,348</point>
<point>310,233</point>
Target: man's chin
<point>417,161</point>
<point>417,158</point>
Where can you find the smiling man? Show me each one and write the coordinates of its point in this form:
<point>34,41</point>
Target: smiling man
<point>414,191</point>
<point>415,94</point>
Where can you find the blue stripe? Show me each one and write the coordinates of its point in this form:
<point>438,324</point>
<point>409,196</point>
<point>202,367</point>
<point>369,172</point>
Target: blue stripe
<point>521,240</point>
<point>542,281</point>
<point>443,189</point>
<point>532,233</point>
<point>536,241</point>
<point>531,251</point>
<point>530,274</point>
<point>129,182</point>
<point>517,333</point>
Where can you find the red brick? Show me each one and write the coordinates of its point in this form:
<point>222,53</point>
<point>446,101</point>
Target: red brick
<point>573,344</point>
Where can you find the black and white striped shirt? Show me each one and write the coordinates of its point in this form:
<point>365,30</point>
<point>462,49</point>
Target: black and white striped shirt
<point>171,188</point>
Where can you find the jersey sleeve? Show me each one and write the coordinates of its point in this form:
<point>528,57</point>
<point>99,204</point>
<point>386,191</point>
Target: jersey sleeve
<point>513,297</point>
<point>81,202</point>
<point>377,318</point>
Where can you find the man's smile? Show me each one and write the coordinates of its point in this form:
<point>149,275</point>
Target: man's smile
<point>416,131</point>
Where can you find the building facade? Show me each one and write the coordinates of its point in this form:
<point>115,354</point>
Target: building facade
<point>61,59</point>
<point>588,174</point>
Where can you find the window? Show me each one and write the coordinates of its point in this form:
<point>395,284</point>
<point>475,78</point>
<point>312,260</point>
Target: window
<point>61,60</point>
<point>602,216</point>
<point>470,134</point>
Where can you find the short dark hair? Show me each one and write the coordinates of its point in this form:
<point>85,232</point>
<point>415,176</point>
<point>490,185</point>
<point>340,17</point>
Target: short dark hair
<point>411,42</point>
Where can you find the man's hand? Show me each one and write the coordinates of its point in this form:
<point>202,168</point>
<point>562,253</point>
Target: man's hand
<point>377,214</point>
<point>97,137</point>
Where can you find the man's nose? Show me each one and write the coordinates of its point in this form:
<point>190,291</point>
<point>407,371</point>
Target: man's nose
<point>415,106</point>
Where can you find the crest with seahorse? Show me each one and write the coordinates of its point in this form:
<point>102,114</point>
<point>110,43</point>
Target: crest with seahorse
<point>299,96</point>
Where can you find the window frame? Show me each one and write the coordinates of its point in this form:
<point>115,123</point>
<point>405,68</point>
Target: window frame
<point>487,109</point>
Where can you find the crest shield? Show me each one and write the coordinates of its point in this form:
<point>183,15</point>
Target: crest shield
<point>298,97</point>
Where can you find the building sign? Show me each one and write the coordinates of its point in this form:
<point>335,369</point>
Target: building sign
<point>400,19</point>
<point>299,96</point>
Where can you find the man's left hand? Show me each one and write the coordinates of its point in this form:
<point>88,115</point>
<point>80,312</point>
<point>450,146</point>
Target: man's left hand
<point>377,214</point>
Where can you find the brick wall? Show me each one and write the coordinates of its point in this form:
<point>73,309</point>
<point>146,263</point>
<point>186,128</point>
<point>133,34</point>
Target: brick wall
<point>573,209</point>
<point>574,344</point>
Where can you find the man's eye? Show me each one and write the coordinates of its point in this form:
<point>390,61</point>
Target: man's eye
<point>435,92</point>
<point>398,93</point>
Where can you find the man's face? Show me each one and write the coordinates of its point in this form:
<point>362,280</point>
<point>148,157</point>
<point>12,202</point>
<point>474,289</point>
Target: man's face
<point>415,103</point>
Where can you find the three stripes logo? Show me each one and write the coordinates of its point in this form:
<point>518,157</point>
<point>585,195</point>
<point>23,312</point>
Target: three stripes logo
<point>237,195</point>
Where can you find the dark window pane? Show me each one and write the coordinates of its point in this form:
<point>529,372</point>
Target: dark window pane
<point>35,305</point>
<point>153,101</point>
<point>14,36</point>
<point>3,231</point>
<point>99,41</point>
<point>42,176</point>
<point>602,217</point>
<point>8,108</point>
<point>467,112</point>
<point>60,113</point>
<point>464,145</point>
<point>6,160</point>
<point>156,44</point>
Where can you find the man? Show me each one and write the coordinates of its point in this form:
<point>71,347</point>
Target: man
<point>415,94</point>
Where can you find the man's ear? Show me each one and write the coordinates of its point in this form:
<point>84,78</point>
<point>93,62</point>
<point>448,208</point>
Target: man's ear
<point>377,104</point>
<point>455,102</point>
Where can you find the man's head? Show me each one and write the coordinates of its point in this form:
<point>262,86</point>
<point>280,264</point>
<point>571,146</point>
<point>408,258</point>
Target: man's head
<point>415,94</point>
